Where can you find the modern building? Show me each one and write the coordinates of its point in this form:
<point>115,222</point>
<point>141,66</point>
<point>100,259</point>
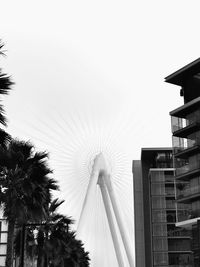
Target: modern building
<point>186,148</point>
<point>158,241</point>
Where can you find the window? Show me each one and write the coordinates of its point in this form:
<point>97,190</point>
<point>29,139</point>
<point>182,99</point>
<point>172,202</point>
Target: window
<point>158,203</point>
<point>160,244</point>
<point>180,259</point>
<point>179,245</point>
<point>3,248</point>
<point>161,258</point>
<point>157,176</point>
<point>158,189</point>
<point>159,230</point>
<point>158,216</point>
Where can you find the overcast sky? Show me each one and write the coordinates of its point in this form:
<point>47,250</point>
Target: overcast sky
<point>89,76</point>
<point>102,55</point>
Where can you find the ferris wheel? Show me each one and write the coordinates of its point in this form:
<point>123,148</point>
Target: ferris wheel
<point>78,145</point>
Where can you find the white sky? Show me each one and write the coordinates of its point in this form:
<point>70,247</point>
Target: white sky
<point>116,52</point>
<point>97,67</point>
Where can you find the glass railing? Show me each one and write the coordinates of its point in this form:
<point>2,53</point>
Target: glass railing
<point>187,216</point>
<point>178,232</point>
<point>195,214</point>
<point>180,123</point>
<point>183,169</point>
<point>182,206</point>
<point>180,144</point>
<point>183,215</point>
<point>179,246</point>
<point>188,167</point>
<point>188,191</point>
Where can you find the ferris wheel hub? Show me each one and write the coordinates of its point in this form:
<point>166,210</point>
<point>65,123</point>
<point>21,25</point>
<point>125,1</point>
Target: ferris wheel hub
<point>100,163</point>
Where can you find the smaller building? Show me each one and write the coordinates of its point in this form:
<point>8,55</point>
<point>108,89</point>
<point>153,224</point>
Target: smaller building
<point>156,234</point>
<point>3,240</point>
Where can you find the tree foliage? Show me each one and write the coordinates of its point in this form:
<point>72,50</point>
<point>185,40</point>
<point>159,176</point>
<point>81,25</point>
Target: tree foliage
<point>25,186</point>
<point>5,87</point>
<point>53,244</point>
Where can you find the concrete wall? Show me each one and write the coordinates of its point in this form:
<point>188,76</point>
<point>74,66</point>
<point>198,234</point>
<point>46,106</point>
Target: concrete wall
<point>138,214</point>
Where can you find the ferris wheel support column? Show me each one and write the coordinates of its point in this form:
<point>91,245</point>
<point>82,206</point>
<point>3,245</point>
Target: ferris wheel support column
<point>88,198</point>
<point>112,227</point>
<point>124,236</point>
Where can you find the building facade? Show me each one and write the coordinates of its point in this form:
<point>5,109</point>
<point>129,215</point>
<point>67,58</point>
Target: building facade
<point>158,241</point>
<point>185,122</point>
<point>3,240</point>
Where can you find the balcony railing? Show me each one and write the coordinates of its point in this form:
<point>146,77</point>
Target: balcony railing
<point>181,144</point>
<point>180,123</point>
<point>179,233</point>
<point>188,167</point>
<point>182,265</point>
<point>179,246</point>
<point>188,191</point>
<point>184,215</point>
<point>182,206</point>
<point>187,216</point>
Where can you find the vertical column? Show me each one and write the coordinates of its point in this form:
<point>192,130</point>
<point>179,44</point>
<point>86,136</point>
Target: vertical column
<point>112,227</point>
<point>88,198</point>
<point>124,236</point>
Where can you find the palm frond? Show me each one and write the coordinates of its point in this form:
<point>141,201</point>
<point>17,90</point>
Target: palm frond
<point>5,138</point>
<point>25,148</point>
<point>55,204</point>
<point>3,119</point>
<point>1,46</point>
<point>5,83</point>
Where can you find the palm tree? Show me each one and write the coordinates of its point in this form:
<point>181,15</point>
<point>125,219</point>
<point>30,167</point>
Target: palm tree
<point>55,245</point>
<point>25,187</point>
<point>30,245</point>
<point>50,234</point>
<point>77,257</point>
<point>60,247</point>
<point>5,87</point>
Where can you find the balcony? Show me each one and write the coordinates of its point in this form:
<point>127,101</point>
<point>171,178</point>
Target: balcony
<point>183,215</point>
<point>190,215</point>
<point>188,170</point>
<point>179,233</point>
<point>188,194</point>
<point>180,260</point>
<point>186,128</point>
<point>179,245</point>
<point>185,124</point>
<point>185,147</point>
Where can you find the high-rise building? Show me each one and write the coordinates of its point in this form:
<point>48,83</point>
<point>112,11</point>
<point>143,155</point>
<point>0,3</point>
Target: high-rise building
<point>158,241</point>
<point>186,148</point>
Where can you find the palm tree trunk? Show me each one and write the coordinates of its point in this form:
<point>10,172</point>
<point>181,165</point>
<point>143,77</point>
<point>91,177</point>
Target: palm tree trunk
<point>23,233</point>
<point>10,245</point>
<point>40,259</point>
